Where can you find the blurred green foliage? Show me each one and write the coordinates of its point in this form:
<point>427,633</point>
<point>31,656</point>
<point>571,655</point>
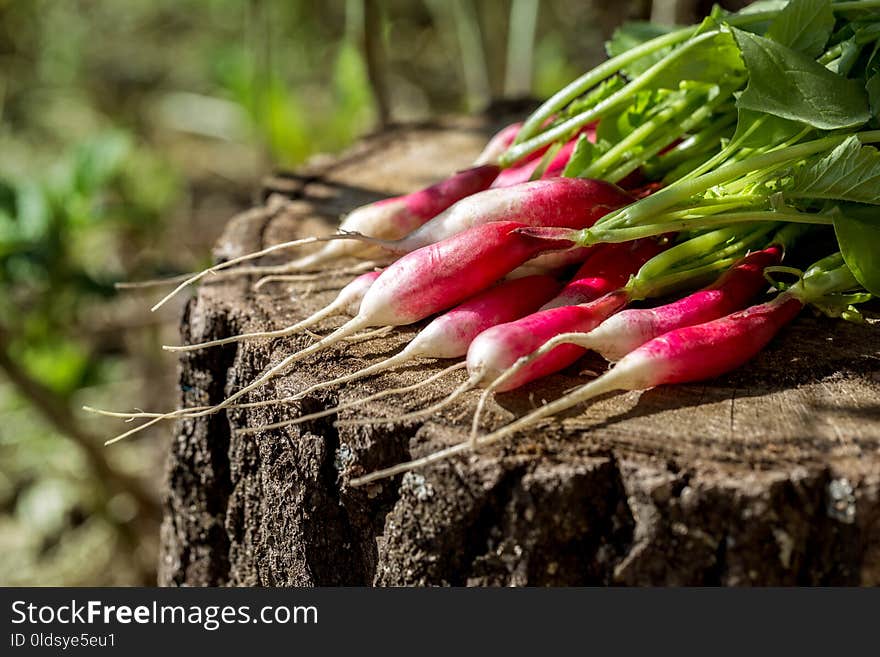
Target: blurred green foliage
<point>129,133</point>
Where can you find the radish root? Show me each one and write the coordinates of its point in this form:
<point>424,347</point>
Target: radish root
<point>340,407</point>
<point>607,383</point>
<point>472,381</point>
<point>271,249</point>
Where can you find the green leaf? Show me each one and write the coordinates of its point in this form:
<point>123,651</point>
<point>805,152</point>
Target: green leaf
<point>759,130</point>
<point>96,161</point>
<point>791,85</point>
<point>858,234</point>
<point>763,5</point>
<point>711,60</point>
<point>873,88</point>
<point>804,25</point>
<point>630,35</point>
<point>581,157</point>
<point>850,172</point>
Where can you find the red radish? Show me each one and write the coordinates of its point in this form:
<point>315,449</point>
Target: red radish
<point>499,348</point>
<point>560,202</point>
<point>495,350</point>
<point>608,267</point>
<point>450,334</point>
<point>688,354</point>
<point>346,302</point>
<point>499,143</point>
<point>625,331</point>
<point>552,263</point>
<point>393,218</point>
<point>502,140</point>
<point>420,284</point>
<point>525,171</point>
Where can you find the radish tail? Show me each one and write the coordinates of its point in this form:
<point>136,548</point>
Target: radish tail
<point>579,339</point>
<point>350,327</point>
<point>267,271</point>
<point>472,381</point>
<point>341,407</point>
<point>329,311</point>
<point>613,380</point>
<point>386,364</point>
<point>280,274</point>
<point>129,416</point>
<point>271,249</point>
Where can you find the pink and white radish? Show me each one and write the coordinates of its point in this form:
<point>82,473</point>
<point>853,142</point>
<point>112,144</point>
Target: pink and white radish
<point>499,143</point>
<point>450,334</point>
<point>393,218</point>
<point>346,302</point>
<point>525,171</point>
<point>560,202</point>
<point>625,331</point>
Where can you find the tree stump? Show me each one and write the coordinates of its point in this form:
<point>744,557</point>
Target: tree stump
<point>769,476</point>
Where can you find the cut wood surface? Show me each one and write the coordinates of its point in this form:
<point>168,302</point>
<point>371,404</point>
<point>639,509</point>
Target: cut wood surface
<point>770,475</point>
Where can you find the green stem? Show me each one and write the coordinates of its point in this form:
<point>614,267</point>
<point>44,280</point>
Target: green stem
<point>637,136</point>
<point>695,119</point>
<point>685,189</point>
<point>855,5</point>
<point>616,235</point>
<point>609,67</point>
<point>699,142</point>
<point>689,263</point>
<point>688,251</point>
<point>603,107</point>
<point>830,55</point>
<point>673,282</point>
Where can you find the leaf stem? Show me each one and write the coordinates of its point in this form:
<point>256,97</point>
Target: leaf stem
<point>685,189</point>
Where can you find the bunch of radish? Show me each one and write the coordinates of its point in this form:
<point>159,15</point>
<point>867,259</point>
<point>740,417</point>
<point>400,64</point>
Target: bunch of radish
<point>680,161</point>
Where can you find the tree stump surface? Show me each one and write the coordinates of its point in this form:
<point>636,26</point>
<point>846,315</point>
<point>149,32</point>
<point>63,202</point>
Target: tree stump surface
<point>769,476</point>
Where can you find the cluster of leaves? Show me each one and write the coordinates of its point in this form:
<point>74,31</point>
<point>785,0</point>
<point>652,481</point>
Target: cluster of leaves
<point>777,105</point>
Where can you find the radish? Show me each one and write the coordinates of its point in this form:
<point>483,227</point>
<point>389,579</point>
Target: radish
<point>564,202</point>
<point>498,348</point>
<point>393,218</point>
<point>552,263</point>
<point>691,353</point>
<point>420,284</point>
<point>346,302</point>
<point>607,267</point>
<point>524,172</point>
<point>499,143</point>
<point>449,335</point>
<point>495,351</point>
